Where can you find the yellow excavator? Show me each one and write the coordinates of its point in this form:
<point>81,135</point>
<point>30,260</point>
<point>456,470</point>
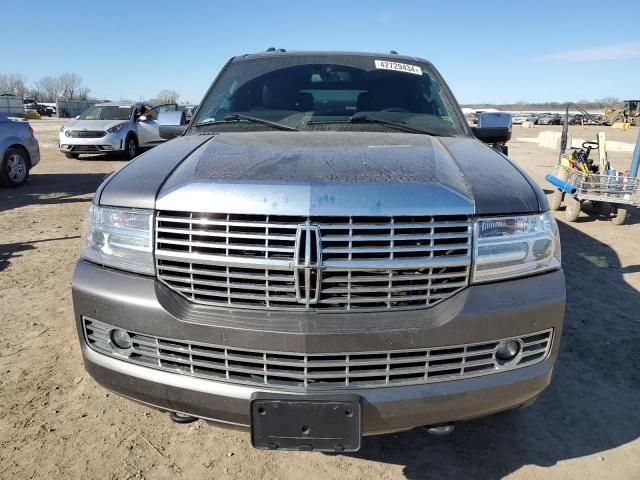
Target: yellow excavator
<point>629,113</point>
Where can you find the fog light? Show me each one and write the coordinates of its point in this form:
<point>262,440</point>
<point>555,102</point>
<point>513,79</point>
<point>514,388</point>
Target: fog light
<point>507,350</point>
<point>120,339</point>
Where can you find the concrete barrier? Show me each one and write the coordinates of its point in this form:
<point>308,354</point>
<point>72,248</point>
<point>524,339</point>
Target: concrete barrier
<point>549,139</point>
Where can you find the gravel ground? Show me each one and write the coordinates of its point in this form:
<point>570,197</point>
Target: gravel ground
<point>56,422</point>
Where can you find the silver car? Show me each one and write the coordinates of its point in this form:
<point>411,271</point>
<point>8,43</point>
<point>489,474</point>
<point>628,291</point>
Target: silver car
<point>19,151</point>
<point>113,127</point>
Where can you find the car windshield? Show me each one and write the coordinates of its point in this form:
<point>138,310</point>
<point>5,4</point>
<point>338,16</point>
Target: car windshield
<point>107,112</point>
<point>330,92</point>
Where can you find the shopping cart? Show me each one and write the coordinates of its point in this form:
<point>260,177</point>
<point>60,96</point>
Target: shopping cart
<point>576,186</point>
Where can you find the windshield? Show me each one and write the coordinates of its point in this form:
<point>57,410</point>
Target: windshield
<point>109,112</point>
<point>330,92</point>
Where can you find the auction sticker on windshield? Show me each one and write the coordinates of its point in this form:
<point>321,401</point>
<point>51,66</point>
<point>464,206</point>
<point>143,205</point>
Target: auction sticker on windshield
<point>401,67</point>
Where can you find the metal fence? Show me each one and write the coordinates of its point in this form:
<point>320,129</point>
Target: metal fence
<point>70,109</point>
<point>11,105</point>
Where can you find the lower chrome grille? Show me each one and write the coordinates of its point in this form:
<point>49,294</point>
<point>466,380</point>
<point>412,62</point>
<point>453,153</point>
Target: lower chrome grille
<point>315,263</point>
<point>298,371</point>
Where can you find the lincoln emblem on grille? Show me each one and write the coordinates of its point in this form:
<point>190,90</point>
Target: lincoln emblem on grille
<point>307,263</point>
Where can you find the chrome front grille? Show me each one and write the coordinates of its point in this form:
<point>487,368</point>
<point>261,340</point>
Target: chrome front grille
<point>299,371</point>
<point>320,263</point>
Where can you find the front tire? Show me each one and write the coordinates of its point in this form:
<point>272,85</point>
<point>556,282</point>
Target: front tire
<point>555,199</point>
<point>616,119</point>
<point>14,169</point>
<point>573,208</point>
<point>619,214</point>
<point>131,147</point>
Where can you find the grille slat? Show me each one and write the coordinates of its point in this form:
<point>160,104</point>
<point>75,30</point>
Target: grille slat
<point>397,226</point>
<point>240,286</point>
<point>299,371</point>
<point>395,249</point>
<point>403,288</point>
<point>86,133</point>
<point>363,263</point>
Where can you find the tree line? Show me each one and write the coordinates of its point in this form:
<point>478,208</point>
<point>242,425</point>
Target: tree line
<point>67,86</point>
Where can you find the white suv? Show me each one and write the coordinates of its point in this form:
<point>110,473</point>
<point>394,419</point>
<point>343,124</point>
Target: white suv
<point>122,127</point>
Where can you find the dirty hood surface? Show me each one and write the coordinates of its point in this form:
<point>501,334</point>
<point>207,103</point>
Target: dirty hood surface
<point>326,173</point>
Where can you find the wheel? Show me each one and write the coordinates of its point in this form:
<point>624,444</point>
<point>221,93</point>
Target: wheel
<point>72,155</point>
<point>14,169</point>
<point>131,147</point>
<point>555,199</point>
<point>616,119</point>
<point>573,208</point>
<point>619,214</point>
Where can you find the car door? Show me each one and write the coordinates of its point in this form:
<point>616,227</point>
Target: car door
<point>147,125</point>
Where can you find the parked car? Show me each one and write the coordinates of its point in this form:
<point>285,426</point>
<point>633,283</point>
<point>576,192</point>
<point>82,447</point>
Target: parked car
<point>471,118</point>
<point>112,127</point>
<point>188,110</point>
<point>19,151</point>
<point>43,110</point>
<point>533,118</point>
<point>550,119</point>
<point>517,119</point>
<point>326,251</point>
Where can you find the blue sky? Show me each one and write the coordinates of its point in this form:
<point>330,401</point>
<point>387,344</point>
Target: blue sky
<point>493,51</point>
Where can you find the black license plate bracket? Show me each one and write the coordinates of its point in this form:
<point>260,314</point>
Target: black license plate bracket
<point>306,423</point>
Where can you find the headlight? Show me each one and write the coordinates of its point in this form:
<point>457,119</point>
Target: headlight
<point>115,128</point>
<point>515,246</point>
<point>119,238</point>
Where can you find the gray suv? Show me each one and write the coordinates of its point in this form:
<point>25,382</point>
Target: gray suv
<point>326,251</point>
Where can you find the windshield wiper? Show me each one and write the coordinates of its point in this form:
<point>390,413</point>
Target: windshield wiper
<point>236,117</point>
<point>366,118</point>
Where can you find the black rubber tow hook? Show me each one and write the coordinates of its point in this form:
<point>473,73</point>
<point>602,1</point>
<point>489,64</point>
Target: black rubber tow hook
<point>178,418</point>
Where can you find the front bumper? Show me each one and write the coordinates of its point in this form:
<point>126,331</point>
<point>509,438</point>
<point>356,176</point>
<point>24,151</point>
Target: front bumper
<point>109,143</point>
<point>33,148</point>
<point>479,313</point>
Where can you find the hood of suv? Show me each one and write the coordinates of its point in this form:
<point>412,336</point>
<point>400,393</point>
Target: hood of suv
<point>324,173</point>
<point>92,124</point>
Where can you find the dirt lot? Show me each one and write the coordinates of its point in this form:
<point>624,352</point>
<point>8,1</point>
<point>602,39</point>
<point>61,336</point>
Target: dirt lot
<point>55,422</point>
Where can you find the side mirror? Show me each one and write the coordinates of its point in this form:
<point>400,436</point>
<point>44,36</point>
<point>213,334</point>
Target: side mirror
<point>142,118</point>
<point>493,127</point>
<point>171,124</point>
